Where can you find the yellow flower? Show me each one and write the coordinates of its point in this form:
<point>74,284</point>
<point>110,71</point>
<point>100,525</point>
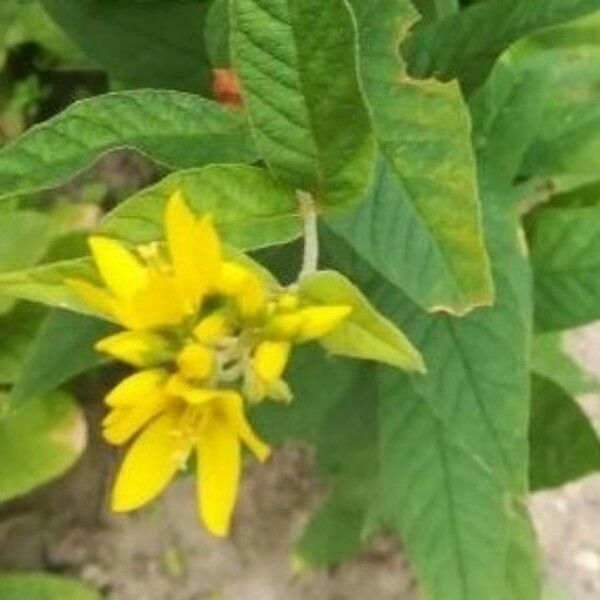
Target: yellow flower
<point>203,330</point>
<point>215,428</point>
<point>164,291</point>
<point>136,296</point>
<point>289,323</point>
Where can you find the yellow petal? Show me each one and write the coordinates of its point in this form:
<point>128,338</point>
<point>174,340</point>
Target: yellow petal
<point>270,360</point>
<point>136,388</point>
<point>194,247</point>
<point>232,407</point>
<point>196,362</point>
<point>244,286</point>
<point>288,302</point>
<point>119,268</point>
<point>137,348</point>
<point>178,387</point>
<point>321,320</point>
<point>160,303</point>
<point>308,323</point>
<point>123,422</point>
<point>219,468</point>
<point>151,462</point>
<point>213,327</point>
<point>95,297</point>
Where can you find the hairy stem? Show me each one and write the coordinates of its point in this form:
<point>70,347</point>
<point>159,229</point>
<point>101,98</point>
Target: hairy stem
<point>310,259</point>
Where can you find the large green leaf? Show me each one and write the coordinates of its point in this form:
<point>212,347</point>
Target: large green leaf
<point>523,562</point>
<point>448,506</point>
<point>582,31</point>
<point>478,384</point>
<point>24,239</point>
<point>437,9</point>
<point>18,329</point>
<point>39,442</point>
<point>62,349</point>
<point>250,209</point>
<point>40,586</point>
<point>465,45</point>
<point>565,253</point>
<point>569,142</point>
<point>346,452</point>
<point>365,334</point>
<point>583,195</point>
<point>564,445</point>
<point>297,66</point>
<point>46,284</point>
<point>158,44</point>
<point>478,377</point>
<point>174,128</point>
<point>550,359</point>
<point>420,226</point>
<point>508,111</point>
<point>335,530</point>
<point>216,33</point>
<point>331,378</point>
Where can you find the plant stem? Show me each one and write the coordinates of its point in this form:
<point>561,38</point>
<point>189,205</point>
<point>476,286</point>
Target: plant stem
<point>310,259</point>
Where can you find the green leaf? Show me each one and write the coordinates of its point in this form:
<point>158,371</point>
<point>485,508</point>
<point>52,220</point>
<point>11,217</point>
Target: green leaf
<point>46,284</point>
<point>40,586</point>
<point>62,349</point>
<point>347,453</point>
<point>24,240</point>
<point>447,505</point>
<point>334,532</point>
<point>420,227</point>
<point>157,45</point>
<point>478,378</point>
<point>508,112</point>
<point>568,143</point>
<point>482,359</point>
<point>579,196</point>
<point>565,254</point>
<point>176,129</point>
<point>39,442</point>
<point>331,379</point>
<point>250,209</point>
<point>564,444</point>
<point>216,33</point>
<point>296,62</point>
<point>584,31</point>
<point>551,360</point>
<point>465,45</point>
<point>365,334</point>
<point>523,563</point>
<point>437,9</point>
<point>18,329</point>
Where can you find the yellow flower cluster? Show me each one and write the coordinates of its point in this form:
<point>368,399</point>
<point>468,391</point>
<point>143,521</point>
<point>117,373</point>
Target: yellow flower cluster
<point>205,332</point>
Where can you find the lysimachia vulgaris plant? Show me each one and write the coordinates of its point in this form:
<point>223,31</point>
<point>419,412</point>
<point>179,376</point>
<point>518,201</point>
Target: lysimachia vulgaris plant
<point>206,333</point>
<point>359,227</point>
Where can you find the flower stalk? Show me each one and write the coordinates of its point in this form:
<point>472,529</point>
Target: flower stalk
<point>308,210</point>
